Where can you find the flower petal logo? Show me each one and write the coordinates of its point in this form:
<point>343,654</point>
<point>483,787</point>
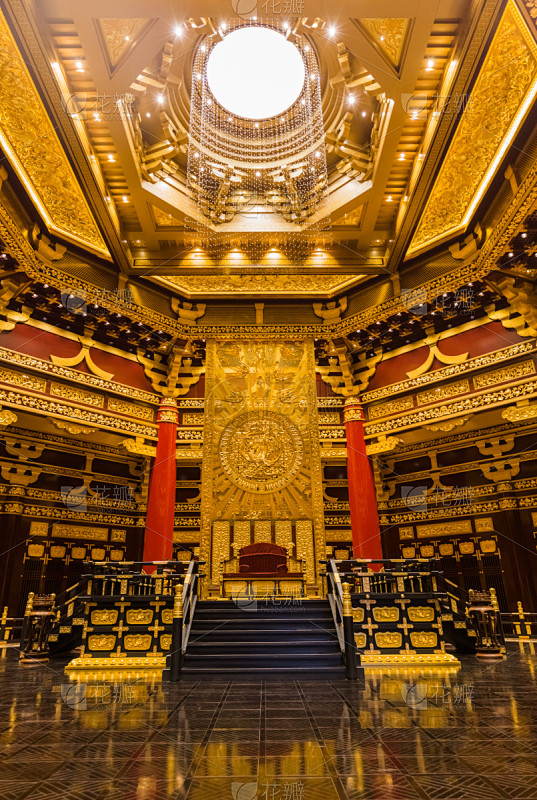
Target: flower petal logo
<point>414,694</point>
<point>244,791</point>
<point>244,8</point>
<point>74,695</point>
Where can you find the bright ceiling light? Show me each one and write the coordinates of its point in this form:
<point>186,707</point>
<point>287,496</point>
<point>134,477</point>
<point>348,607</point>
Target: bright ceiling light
<point>255,73</point>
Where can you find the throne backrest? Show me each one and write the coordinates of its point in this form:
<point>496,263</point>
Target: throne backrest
<point>262,557</point>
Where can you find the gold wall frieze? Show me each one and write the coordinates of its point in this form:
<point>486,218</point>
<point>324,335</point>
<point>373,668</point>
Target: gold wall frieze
<point>520,370</point>
<point>51,496</point>
<point>330,402</point>
<point>130,409</point>
<point>389,34</point>
<point>337,521</point>
<point>394,407</point>
<point>189,435</point>
<point>138,447</point>
<point>442,375</point>
<point>187,522</point>
<point>43,168</point>
<point>332,433</point>
<point>76,532</point>
<point>40,365</point>
<point>442,392</point>
<point>42,405</point>
<point>329,418</point>
<point>63,513</point>
<point>331,453</point>
<point>15,378</point>
<point>190,402</point>
<point>76,395</point>
<point>507,80</point>
<point>477,402</point>
<point>454,512</point>
<point>193,420</point>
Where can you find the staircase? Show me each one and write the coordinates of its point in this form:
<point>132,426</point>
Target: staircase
<point>263,640</point>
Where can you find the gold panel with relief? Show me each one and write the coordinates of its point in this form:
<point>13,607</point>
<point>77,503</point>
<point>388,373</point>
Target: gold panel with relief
<point>424,639</point>
<point>137,641</point>
<point>391,639</point>
<point>385,614</point>
<point>104,616</point>
<point>101,642</point>
<point>420,613</point>
<point>139,616</point>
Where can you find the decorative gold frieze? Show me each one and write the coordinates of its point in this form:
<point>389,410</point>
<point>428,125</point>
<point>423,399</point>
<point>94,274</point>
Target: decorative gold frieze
<point>358,614</point>
<point>475,402</point>
<point>104,616</point>
<point>420,613</point>
<point>130,409</point>
<point>360,639</point>
<point>389,34</point>
<point>511,373</point>
<point>195,420</point>
<point>329,418</point>
<point>488,545</point>
<point>120,35</point>
<point>43,168</point>
<point>118,535</point>
<point>38,364</point>
<point>165,641</point>
<point>441,375</point>
<point>521,412</point>
<point>385,614</point>
<point>385,409</point>
<point>14,378</point>
<point>79,532</point>
<point>424,639</point>
<point>507,80</point>
<point>406,533</point>
<point>76,395</point>
<point>390,639</point>
<point>445,529</point>
<point>50,407</point>
<point>441,392</point>
<point>330,402</point>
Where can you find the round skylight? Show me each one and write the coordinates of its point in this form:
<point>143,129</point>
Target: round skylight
<point>255,72</point>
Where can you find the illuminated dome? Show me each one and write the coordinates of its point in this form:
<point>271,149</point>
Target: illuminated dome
<point>255,73</point>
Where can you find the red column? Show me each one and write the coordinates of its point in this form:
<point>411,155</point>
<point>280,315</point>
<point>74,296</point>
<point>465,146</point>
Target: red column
<point>158,539</point>
<point>362,495</point>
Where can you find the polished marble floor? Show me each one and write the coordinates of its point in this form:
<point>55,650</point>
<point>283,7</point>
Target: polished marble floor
<point>459,736</point>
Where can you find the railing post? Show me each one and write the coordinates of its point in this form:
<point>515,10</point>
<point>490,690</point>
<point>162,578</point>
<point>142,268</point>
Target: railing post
<point>348,635</point>
<point>3,625</point>
<point>177,635</point>
<point>25,623</point>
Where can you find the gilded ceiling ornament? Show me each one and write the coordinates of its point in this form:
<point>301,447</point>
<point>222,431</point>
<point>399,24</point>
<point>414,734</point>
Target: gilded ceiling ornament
<point>120,35</point>
<point>262,283</point>
<point>498,103</point>
<point>449,424</point>
<point>389,34</point>
<point>330,311</point>
<point>29,140</point>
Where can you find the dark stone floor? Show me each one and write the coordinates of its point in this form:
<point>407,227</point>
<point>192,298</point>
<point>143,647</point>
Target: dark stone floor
<point>470,734</point>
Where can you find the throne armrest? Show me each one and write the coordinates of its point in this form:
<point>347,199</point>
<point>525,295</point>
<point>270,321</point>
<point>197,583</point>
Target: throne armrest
<point>230,564</point>
<point>296,564</point>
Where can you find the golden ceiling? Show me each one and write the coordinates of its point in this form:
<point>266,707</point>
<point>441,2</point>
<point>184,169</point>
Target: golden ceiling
<point>94,116</point>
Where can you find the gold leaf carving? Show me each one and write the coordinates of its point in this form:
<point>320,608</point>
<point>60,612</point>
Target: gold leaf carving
<point>441,392</point>
<point>499,100</point>
<point>30,142</point>
<point>520,370</point>
<point>120,34</point>
<point>389,34</point>
<point>77,395</point>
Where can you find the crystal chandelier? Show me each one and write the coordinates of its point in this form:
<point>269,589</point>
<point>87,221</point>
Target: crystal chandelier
<point>256,180</point>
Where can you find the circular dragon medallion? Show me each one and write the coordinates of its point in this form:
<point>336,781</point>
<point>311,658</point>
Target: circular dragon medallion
<point>261,451</point>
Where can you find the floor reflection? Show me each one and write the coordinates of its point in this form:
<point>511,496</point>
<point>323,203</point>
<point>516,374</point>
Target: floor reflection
<point>407,734</point>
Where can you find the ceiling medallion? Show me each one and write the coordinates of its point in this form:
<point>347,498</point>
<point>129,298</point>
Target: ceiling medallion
<point>261,451</point>
<point>262,174</point>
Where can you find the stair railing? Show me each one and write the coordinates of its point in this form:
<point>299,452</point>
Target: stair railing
<point>185,601</point>
<point>340,601</point>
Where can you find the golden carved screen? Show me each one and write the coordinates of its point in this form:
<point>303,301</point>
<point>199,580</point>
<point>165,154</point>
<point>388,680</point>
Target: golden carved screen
<point>261,456</point>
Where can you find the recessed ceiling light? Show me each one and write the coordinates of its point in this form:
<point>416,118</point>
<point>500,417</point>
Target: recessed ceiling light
<point>364,113</point>
<point>111,157</point>
<point>350,98</point>
<point>255,72</point>
<point>147,114</point>
<point>160,98</point>
<point>178,30</point>
<point>331,31</point>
